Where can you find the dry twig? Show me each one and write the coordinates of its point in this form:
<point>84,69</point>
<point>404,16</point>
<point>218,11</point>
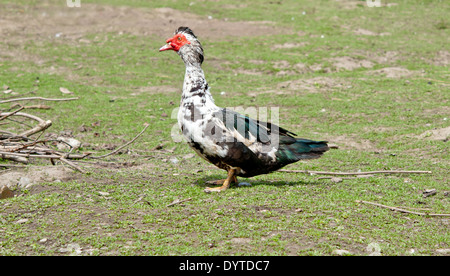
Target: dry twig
<point>11,113</point>
<point>20,148</point>
<point>402,210</point>
<point>121,147</point>
<point>352,173</point>
<point>42,124</point>
<point>71,164</point>
<point>37,98</point>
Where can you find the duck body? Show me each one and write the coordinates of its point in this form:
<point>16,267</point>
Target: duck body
<point>236,143</point>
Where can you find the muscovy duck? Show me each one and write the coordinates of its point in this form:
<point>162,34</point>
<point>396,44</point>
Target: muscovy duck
<point>236,143</point>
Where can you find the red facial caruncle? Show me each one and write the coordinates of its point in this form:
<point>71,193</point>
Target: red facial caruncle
<point>175,43</point>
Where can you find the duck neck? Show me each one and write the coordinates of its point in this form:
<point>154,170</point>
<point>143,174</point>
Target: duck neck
<point>195,87</point>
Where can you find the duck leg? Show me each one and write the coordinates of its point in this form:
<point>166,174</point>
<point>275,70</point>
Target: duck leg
<point>225,183</point>
<point>221,181</point>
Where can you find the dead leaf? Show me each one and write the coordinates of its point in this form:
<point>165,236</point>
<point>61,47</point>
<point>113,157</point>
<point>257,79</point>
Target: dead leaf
<point>178,201</point>
<point>65,90</point>
<point>20,221</point>
<point>429,192</point>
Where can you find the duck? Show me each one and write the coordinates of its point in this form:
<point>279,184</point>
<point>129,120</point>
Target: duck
<point>240,145</point>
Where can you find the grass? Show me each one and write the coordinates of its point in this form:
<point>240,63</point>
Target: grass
<point>377,121</point>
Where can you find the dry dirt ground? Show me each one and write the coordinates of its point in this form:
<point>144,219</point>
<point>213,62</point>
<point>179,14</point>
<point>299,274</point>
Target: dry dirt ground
<point>44,22</point>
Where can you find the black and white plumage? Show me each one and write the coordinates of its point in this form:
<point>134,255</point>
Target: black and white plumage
<point>236,143</point>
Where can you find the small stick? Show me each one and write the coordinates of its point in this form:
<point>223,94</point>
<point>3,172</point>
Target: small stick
<point>49,156</point>
<point>359,176</point>
<point>352,173</point>
<point>30,155</point>
<point>7,132</point>
<point>71,164</point>
<point>402,210</point>
<point>11,113</point>
<point>413,208</point>
<point>11,166</point>
<point>26,115</point>
<point>37,98</point>
<point>121,147</point>
<point>178,202</point>
<point>40,127</point>
<point>18,159</point>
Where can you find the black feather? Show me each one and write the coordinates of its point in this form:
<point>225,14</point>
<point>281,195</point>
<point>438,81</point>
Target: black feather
<point>294,149</point>
<point>245,126</point>
<point>186,30</point>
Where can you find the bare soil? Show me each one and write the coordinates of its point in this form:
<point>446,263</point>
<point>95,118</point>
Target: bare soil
<point>35,175</point>
<point>394,72</point>
<point>46,22</point>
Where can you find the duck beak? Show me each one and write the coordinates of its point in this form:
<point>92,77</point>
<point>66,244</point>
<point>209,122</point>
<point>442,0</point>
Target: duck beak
<point>166,47</point>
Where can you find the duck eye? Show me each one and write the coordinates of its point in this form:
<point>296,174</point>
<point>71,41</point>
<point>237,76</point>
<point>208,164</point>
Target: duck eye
<point>179,38</point>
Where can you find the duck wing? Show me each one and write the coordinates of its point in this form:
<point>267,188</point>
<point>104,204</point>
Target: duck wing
<point>250,129</point>
<point>274,146</point>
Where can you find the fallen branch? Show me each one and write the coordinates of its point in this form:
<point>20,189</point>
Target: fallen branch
<point>11,166</point>
<point>38,98</point>
<point>358,176</point>
<point>21,151</point>
<point>7,132</point>
<point>121,147</point>
<point>352,173</point>
<point>55,155</point>
<point>40,127</point>
<point>20,148</point>
<point>18,159</point>
<point>26,115</point>
<point>414,208</point>
<point>402,210</point>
